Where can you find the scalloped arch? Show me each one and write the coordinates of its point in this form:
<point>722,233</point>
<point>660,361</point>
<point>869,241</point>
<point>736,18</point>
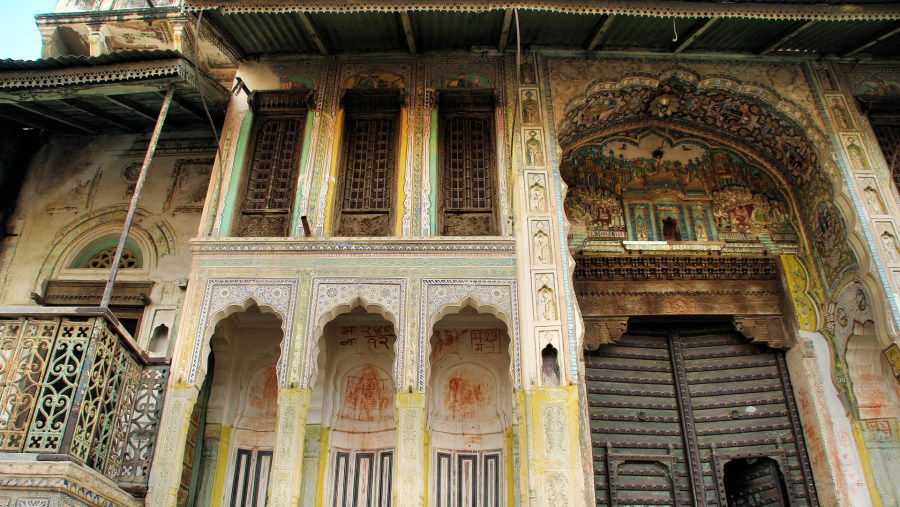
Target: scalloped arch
<point>310,363</point>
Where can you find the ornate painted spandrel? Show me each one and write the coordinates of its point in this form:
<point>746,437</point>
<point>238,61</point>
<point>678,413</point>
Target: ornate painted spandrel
<point>649,185</point>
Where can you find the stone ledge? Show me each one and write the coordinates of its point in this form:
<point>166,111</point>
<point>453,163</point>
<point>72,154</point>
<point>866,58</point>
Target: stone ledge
<point>25,478</point>
<point>489,245</point>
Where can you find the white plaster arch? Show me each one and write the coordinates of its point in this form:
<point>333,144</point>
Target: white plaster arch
<point>199,374</point>
<point>223,297</point>
<point>331,297</point>
<point>445,297</point>
<point>311,367</point>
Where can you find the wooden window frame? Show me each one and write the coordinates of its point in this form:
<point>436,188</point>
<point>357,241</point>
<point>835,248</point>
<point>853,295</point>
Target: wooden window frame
<point>272,105</point>
<point>368,105</point>
<point>467,104</point>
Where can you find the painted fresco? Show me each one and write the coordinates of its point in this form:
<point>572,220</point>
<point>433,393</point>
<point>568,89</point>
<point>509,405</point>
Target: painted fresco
<point>618,190</point>
<point>724,124</point>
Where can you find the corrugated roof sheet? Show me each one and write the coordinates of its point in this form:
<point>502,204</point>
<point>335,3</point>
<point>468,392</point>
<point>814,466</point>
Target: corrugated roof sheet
<point>89,61</point>
<point>115,92</point>
<point>258,33</point>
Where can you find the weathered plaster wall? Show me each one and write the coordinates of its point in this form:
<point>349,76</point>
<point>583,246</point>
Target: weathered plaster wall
<point>77,192</point>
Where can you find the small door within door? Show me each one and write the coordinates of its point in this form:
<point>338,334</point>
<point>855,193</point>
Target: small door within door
<point>671,406</point>
<point>754,481</point>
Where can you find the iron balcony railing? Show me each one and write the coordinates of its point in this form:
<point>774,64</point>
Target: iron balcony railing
<point>73,385</point>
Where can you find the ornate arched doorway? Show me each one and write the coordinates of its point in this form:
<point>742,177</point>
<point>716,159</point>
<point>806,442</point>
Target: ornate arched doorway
<point>681,198</point>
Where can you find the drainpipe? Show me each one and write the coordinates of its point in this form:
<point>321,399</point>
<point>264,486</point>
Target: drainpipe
<point>114,269</point>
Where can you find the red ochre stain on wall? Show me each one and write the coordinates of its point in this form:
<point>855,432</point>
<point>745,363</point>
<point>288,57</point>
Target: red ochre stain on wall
<point>367,395</point>
<point>466,396</point>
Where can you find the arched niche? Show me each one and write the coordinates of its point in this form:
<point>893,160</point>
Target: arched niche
<point>208,332</point>
<point>353,402</point>
<point>445,298</point>
<point>470,406</point>
<point>328,315</point>
<point>238,408</point>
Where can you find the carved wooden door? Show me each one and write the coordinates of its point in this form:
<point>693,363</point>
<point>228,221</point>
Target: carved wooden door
<point>672,407</point>
<point>362,478</point>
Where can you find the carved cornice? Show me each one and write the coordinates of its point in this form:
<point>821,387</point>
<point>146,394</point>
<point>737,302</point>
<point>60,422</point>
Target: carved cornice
<point>671,267</point>
<point>500,247</point>
<point>89,292</point>
<point>603,331</point>
<point>116,72</point>
<point>768,329</point>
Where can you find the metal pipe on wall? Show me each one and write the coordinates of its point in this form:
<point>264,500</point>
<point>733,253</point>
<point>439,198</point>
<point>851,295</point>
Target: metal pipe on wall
<point>148,158</point>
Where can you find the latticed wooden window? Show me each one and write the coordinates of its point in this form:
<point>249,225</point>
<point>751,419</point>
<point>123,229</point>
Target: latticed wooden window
<point>274,166</point>
<point>369,162</point>
<point>467,163</point>
<point>370,165</point>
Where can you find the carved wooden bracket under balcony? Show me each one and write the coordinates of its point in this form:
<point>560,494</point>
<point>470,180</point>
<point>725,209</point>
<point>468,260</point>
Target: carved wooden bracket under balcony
<point>766,329</point>
<point>603,331</point>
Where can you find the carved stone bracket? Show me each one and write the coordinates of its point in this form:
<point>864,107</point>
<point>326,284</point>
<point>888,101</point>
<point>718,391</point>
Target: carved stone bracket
<point>766,329</point>
<point>603,331</point>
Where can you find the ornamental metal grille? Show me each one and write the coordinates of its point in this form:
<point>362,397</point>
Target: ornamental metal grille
<point>141,441</point>
<point>103,259</point>
<point>24,347</point>
<point>100,377</point>
<point>467,164</point>
<point>54,404</point>
<point>75,387</point>
<point>370,164</point>
<point>272,181</point>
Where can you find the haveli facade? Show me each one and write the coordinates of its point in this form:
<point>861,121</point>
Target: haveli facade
<point>452,254</point>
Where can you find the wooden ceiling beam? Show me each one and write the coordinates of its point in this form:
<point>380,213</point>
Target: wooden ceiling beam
<point>180,102</point>
<point>696,30</point>
<point>887,33</point>
<point>313,33</point>
<point>791,32</point>
<point>30,121</point>
<point>600,32</point>
<point>93,111</point>
<point>408,32</point>
<point>135,108</point>
<point>504,30</point>
<point>51,115</point>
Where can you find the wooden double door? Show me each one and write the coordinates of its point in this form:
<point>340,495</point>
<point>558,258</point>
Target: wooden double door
<point>694,415</point>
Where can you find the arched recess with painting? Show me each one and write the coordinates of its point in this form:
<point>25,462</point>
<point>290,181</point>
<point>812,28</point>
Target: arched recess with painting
<point>351,421</point>
<point>231,438</point>
<point>701,198</point>
<point>470,410</point>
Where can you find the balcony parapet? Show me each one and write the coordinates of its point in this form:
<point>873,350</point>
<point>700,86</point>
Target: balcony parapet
<point>75,387</point>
